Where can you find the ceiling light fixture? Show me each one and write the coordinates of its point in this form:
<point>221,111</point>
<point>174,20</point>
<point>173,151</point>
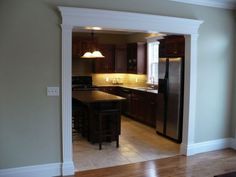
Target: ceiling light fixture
<point>94,53</point>
<point>93,28</point>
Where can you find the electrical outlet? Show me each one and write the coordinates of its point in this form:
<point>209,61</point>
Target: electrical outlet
<point>53,91</point>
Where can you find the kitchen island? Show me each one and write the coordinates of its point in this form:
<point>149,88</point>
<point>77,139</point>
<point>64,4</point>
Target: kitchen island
<point>94,96</point>
<point>95,101</point>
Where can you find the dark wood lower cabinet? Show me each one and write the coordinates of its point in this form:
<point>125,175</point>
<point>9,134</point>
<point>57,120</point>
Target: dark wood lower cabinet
<point>143,107</point>
<point>139,105</point>
<point>151,109</point>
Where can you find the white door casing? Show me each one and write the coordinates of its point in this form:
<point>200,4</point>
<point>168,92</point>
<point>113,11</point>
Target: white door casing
<point>116,20</point>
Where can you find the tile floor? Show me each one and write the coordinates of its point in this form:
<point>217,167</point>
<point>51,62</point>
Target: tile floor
<point>138,143</point>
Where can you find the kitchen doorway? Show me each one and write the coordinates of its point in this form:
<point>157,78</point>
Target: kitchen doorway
<point>136,81</point>
<point>119,20</point>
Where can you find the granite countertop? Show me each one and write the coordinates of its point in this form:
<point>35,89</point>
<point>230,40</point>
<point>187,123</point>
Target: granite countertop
<point>139,88</point>
<point>95,96</point>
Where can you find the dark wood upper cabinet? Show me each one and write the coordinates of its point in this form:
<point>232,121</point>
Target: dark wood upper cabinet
<point>121,58</point>
<point>172,46</point>
<point>115,59</point>
<point>136,58</point>
<point>106,64</point>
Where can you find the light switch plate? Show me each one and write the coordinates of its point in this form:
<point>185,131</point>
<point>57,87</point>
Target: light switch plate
<point>53,91</point>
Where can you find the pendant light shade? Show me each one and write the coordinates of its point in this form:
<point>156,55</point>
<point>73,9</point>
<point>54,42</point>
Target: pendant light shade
<point>95,54</point>
<point>87,55</point>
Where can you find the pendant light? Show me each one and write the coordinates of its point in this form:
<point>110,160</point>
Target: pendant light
<point>95,53</point>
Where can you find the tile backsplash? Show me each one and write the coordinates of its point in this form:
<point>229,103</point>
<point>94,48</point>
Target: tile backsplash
<point>125,79</point>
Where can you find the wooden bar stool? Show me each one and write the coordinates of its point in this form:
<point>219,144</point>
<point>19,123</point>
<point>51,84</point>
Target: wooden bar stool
<point>108,126</point>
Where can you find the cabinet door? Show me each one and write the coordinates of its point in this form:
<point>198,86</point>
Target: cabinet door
<point>142,107</point>
<point>151,109</point>
<point>162,49</point>
<point>141,58</point>
<point>106,64</point>
<point>136,58</point>
<point>120,59</point>
<point>172,46</point>
<point>139,106</point>
<point>134,106</point>
<point>126,104</point>
<point>132,58</point>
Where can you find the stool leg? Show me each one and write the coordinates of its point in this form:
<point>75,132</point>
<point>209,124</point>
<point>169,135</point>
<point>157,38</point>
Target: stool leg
<point>100,132</point>
<point>117,129</point>
<point>117,141</point>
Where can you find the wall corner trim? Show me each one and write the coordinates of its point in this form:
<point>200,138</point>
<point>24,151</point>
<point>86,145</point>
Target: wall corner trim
<point>68,168</point>
<point>233,143</point>
<point>207,146</point>
<point>43,170</point>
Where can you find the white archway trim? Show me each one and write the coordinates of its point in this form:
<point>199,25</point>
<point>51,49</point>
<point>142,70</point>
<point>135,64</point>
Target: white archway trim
<point>81,17</point>
<point>67,158</point>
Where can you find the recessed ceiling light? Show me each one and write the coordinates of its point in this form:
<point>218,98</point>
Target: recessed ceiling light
<point>93,28</point>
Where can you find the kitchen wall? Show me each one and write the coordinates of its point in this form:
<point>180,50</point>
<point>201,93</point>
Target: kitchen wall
<point>30,60</point>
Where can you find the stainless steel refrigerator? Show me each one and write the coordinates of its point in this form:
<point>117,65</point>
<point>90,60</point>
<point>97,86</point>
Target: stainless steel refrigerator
<point>170,98</point>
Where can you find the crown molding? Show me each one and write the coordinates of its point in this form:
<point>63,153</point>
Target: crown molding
<point>225,4</point>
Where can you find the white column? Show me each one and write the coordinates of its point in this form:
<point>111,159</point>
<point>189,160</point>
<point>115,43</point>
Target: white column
<point>190,88</point>
<point>67,158</point>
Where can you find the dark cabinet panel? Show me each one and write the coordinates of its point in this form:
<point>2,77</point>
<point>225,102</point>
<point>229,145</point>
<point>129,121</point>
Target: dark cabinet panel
<point>120,59</point>
<point>106,64</point>
<point>126,105</point>
<point>144,107</point>
<point>136,58</point>
<point>114,61</point>
<point>172,46</point>
<point>151,109</point>
<point>138,107</point>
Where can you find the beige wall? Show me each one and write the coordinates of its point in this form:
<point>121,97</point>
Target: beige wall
<point>30,60</point>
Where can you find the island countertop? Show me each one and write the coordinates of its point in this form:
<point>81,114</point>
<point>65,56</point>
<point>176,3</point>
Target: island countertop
<point>95,96</point>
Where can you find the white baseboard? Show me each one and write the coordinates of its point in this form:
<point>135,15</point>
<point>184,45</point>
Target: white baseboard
<point>45,170</point>
<point>67,168</point>
<point>208,146</point>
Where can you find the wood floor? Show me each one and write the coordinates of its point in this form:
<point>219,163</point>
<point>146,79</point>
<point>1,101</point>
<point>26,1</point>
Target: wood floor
<point>201,165</point>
